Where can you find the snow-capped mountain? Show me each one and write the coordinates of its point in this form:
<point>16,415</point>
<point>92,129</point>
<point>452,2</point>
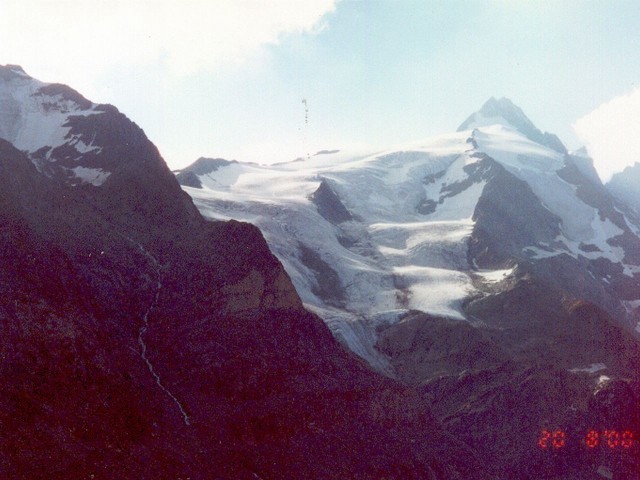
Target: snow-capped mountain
<point>438,227</point>
<point>505,112</point>
<point>141,341</point>
<point>48,121</point>
<point>488,268</point>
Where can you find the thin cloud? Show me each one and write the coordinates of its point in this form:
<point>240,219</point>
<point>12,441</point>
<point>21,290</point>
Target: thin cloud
<point>612,134</point>
<point>85,38</point>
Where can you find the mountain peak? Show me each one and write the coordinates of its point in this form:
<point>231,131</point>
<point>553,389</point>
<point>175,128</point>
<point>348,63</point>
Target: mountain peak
<point>51,122</point>
<point>12,71</point>
<point>504,112</point>
<point>15,68</point>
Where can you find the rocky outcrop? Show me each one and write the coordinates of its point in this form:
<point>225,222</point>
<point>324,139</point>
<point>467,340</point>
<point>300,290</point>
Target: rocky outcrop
<point>188,179</point>
<point>329,204</point>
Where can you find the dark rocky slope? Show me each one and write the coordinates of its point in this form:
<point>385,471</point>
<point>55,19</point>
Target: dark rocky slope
<point>497,384</point>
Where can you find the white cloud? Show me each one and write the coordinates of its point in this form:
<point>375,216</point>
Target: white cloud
<point>612,134</point>
<point>65,40</point>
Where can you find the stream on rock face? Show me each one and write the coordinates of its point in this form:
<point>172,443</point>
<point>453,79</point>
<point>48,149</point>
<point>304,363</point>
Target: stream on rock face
<point>143,330</point>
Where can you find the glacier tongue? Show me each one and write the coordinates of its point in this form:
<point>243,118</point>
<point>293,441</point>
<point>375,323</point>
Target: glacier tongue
<point>386,259</point>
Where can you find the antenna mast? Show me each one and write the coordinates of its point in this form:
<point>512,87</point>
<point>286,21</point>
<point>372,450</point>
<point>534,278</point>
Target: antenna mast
<point>306,125</point>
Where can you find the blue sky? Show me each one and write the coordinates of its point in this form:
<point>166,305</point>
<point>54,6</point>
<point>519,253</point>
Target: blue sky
<point>226,78</point>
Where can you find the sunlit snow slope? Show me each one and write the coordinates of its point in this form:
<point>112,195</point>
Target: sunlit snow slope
<point>49,122</point>
<point>367,237</point>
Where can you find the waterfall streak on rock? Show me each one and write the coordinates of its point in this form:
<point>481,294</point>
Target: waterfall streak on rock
<point>143,330</point>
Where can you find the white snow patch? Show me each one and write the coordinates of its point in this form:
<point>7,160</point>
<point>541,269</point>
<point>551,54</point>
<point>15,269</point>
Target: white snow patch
<point>480,120</point>
<point>601,383</point>
<point>82,147</point>
<point>460,206</point>
<point>494,276</point>
<point>538,253</point>
<point>598,236</point>
<point>631,270</point>
<point>515,151</point>
<point>94,176</point>
<point>632,225</point>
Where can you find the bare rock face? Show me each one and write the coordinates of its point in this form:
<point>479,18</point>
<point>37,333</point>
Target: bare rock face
<point>252,293</point>
<point>329,204</point>
<point>508,218</point>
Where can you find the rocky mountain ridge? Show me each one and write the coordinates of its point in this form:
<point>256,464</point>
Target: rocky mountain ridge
<point>142,341</point>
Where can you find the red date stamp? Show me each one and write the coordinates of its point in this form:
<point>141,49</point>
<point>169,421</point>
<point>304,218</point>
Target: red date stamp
<point>612,439</point>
